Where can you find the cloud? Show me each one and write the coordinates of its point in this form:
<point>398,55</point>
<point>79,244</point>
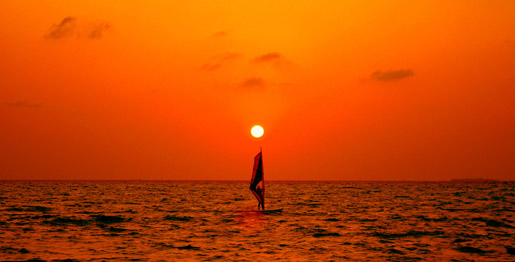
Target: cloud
<point>96,30</point>
<point>253,82</point>
<point>218,61</point>
<point>23,104</point>
<point>268,57</point>
<point>64,29</point>
<point>70,27</point>
<point>220,34</point>
<point>391,75</point>
<point>229,56</point>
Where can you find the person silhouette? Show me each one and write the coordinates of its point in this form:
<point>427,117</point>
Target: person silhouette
<point>259,192</point>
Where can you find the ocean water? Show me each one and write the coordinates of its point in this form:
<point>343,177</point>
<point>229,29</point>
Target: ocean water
<point>203,221</point>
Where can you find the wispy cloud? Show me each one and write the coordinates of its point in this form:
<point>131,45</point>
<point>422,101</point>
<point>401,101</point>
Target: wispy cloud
<point>97,30</point>
<point>268,57</point>
<point>64,29</point>
<point>217,62</point>
<point>220,34</point>
<point>391,75</point>
<point>254,82</point>
<point>70,27</point>
<point>23,104</point>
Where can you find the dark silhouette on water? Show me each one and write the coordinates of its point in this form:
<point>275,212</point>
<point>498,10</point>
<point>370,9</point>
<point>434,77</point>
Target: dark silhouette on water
<point>257,179</point>
<point>259,192</point>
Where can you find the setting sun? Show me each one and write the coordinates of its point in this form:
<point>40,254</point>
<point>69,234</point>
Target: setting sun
<point>257,131</point>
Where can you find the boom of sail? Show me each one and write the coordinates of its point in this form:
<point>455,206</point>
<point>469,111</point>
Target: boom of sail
<point>257,183</point>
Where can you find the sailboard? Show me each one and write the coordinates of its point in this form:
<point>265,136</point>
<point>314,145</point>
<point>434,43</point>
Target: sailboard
<point>257,182</point>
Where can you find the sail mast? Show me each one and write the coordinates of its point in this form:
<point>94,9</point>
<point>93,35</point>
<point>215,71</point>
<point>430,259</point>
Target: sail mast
<point>263,177</point>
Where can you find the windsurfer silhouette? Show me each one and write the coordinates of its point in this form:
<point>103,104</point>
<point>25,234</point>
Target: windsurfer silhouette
<point>257,179</point>
<point>259,191</point>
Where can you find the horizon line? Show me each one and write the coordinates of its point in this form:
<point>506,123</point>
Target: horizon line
<point>273,180</point>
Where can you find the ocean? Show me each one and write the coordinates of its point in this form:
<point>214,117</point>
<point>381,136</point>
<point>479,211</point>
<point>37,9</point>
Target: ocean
<point>218,220</point>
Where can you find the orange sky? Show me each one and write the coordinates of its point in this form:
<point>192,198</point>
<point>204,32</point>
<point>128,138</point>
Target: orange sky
<point>345,90</point>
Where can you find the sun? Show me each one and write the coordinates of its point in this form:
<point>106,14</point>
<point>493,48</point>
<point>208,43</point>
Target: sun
<point>257,131</point>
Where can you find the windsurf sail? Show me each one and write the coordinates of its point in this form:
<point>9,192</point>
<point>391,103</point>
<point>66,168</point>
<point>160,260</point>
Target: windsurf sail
<point>257,183</point>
